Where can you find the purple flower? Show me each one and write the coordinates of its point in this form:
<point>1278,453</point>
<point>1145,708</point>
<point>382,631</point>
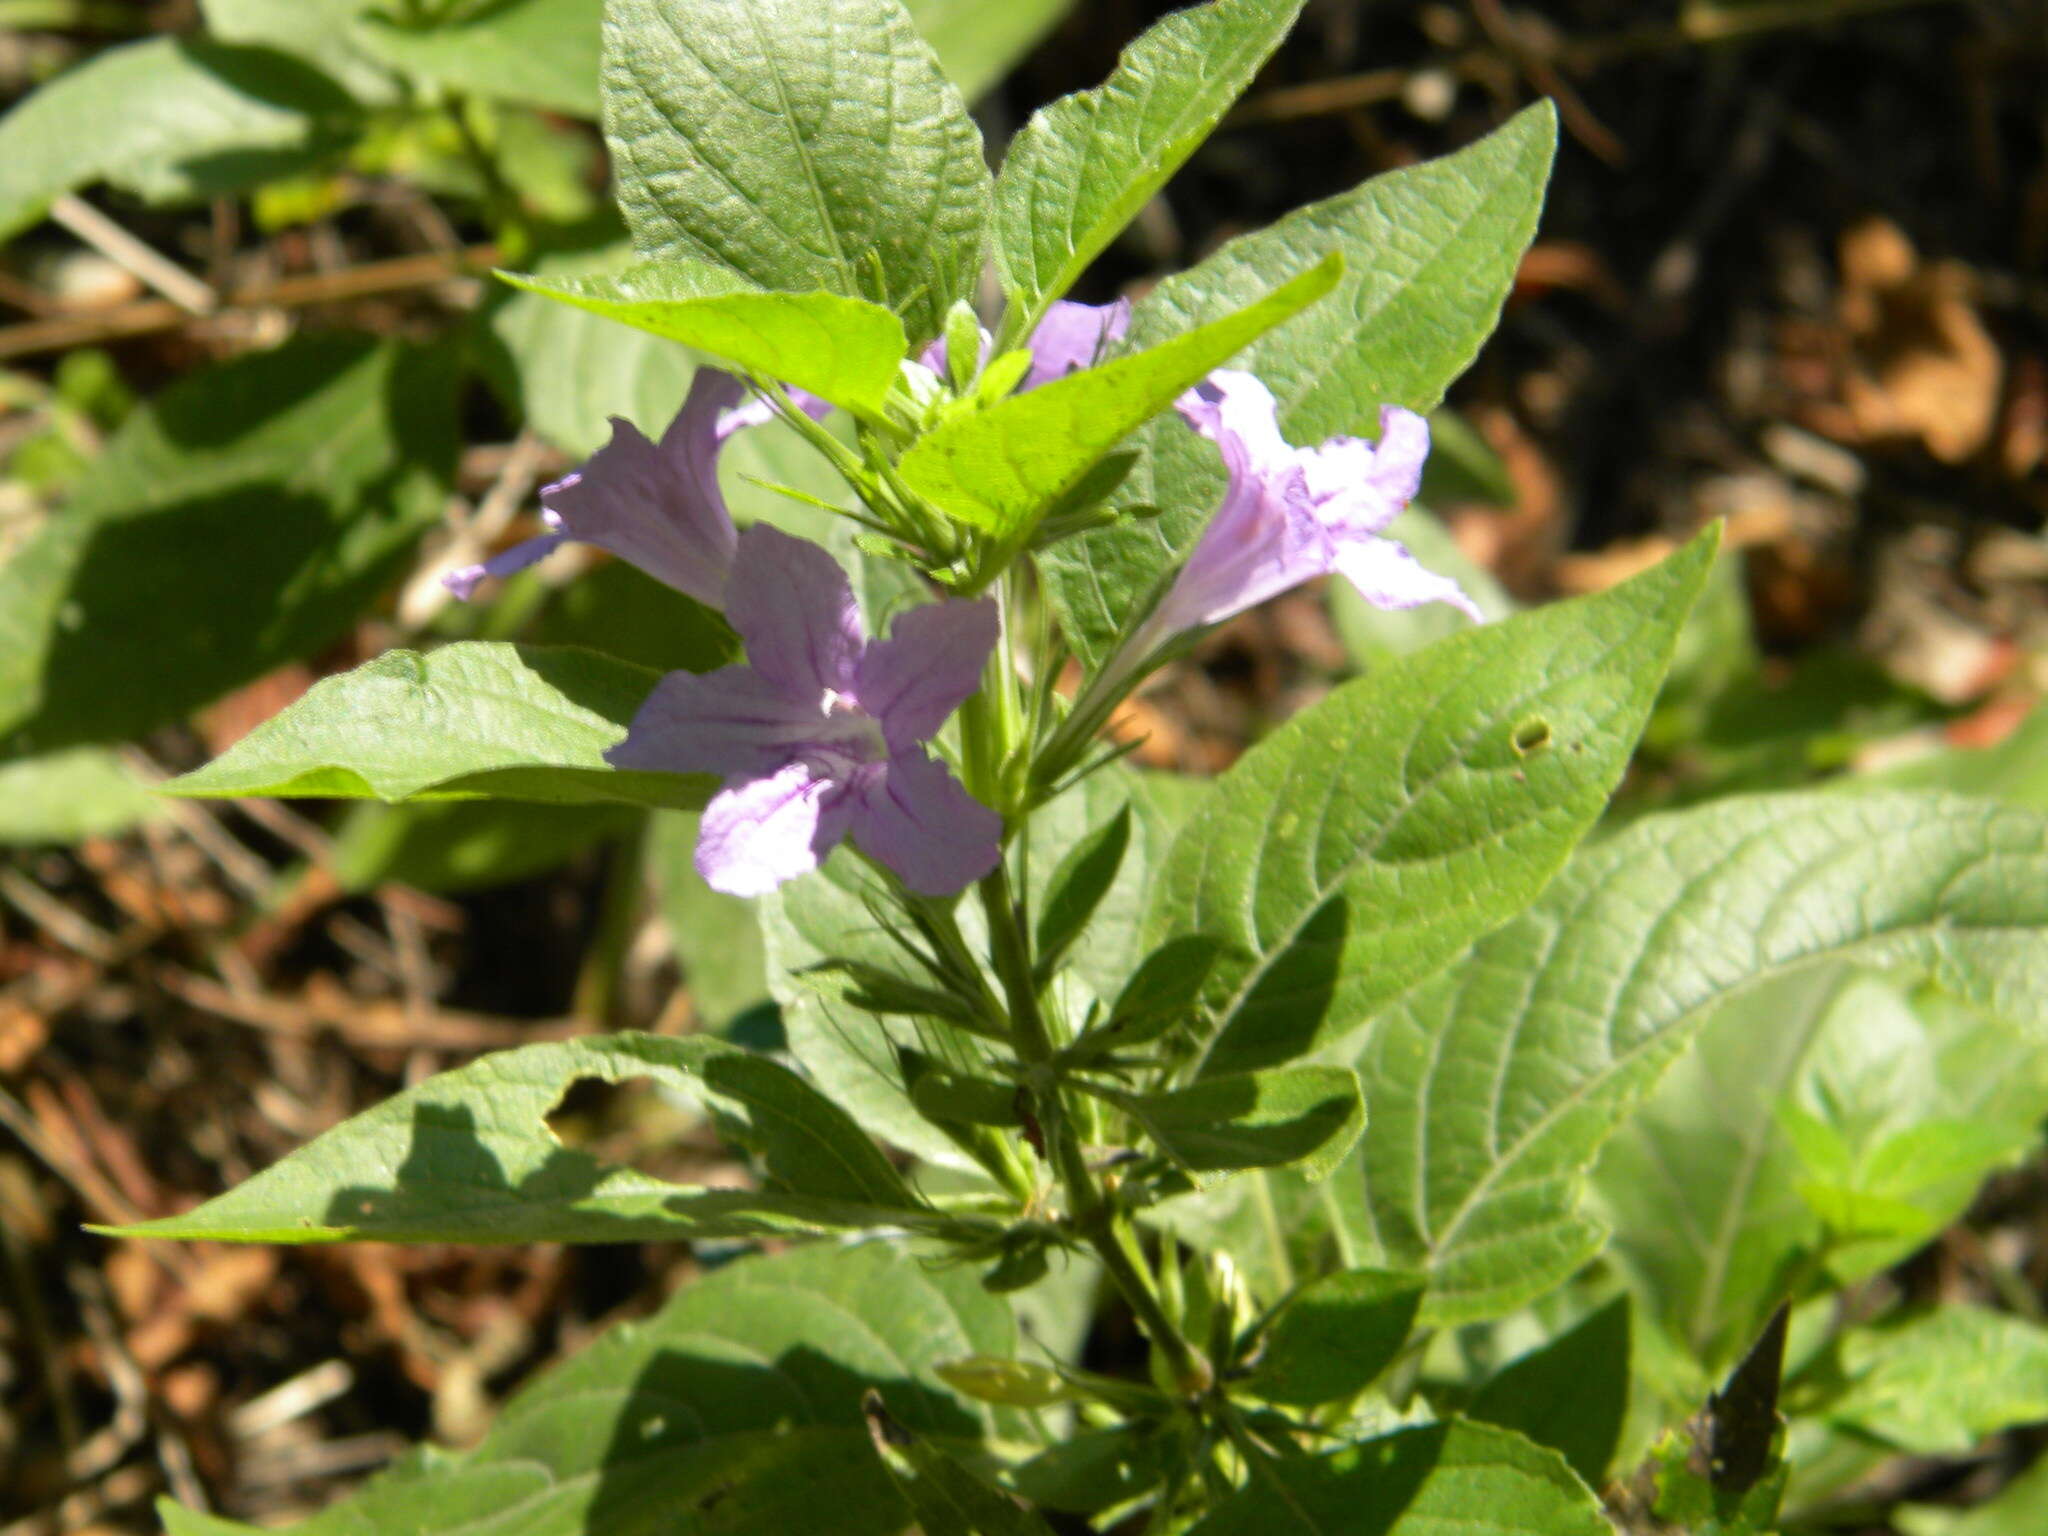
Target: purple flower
<point>657,505</point>
<point>1070,336</point>
<point>1292,513</point>
<point>821,735</point>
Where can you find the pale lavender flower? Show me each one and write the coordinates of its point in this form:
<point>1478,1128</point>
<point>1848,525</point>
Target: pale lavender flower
<point>821,735</point>
<point>1292,513</point>
<point>1070,336</point>
<point>657,505</point>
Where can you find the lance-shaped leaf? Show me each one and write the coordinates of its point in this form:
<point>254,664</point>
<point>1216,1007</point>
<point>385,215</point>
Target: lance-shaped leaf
<point>1082,168</point>
<point>1495,1085</point>
<point>840,349</point>
<point>467,721</point>
<point>799,143</point>
<point>1429,255</point>
<point>1471,1478</point>
<point>1003,468</point>
<point>733,1411</point>
<point>1335,1335</point>
<point>1306,1117</point>
<point>467,1156</point>
<point>244,518</point>
<point>1362,845</point>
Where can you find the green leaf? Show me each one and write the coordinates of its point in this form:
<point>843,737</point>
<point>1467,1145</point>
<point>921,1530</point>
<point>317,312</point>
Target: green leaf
<point>541,53</point>
<point>171,119</point>
<point>949,1500</point>
<point>474,720</point>
<point>978,43</point>
<point>467,1156</point>
<point>1570,1394</point>
<point>799,143</point>
<point>1081,169</point>
<point>449,846</point>
<point>1822,1126</point>
<point>1362,845</point>
<point>1003,468</point>
<point>1429,255</point>
<point>1077,887</point>
<point>1306,1116</point>
<point>1937,1382</point>
<point>1495,1085</point>
<point>2020,1508</point>
<point>324,33</point>
<point>1472,1478</point>
<point>734,1411</point>
<point>67,796</point>
<point>620,610</point>
<point>243,519</point>
<point>1334,1336</point>
<point>842,349</point>
<point>850,1053</point>
<point>2015,771</point>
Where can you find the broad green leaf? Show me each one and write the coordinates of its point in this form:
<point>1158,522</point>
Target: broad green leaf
<point>841,349</point>
<point>541,53</point>
<point>1571,1394</point>
<point>1496,1084</point>
<point>1822,1126</point>
<point>325,33</point>
<point>1003,468</point>
<point>734,1411</point>
<point>243,519</point>
<point>1471,1478</point>
<point>465,845</point>
<point>799,143</point>
<point>949,1499</point>
<point>717,937</point>
<point>468,1156</point>
<point>2020,1508</point>
<point>1934,1383</point>
<point>71,795</point>
<point>1305,1116</point>
<point>1335,1335</point>
<point>170,119</point>
<point>469,721</point>
<point>2014,772</point>
<point>1082,168</point>
<point>1429,255</point>
<point>978,43</point>
<point>1362,845</point>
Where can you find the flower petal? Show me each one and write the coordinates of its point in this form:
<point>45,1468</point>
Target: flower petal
<point>928,666</point>
<point>917,818</point>
<point>1074,336</point>
<point>1233,404</point>
<point>759,832</point>
<point>464,579</point>
<point>794,607</point>
<point>659,506</point>
<point>1360,487</point>
<point>1387,576</point>
<point>733,720</point>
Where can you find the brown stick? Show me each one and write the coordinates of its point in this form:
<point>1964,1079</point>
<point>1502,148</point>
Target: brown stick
<point>147,316</point>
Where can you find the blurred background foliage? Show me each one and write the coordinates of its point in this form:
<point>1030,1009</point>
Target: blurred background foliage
<point>257,391</point>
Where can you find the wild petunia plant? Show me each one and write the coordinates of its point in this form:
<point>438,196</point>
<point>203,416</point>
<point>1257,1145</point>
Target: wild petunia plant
<point>1307,1070</point>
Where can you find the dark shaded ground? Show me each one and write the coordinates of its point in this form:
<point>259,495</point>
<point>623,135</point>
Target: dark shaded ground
<point>1794,277</point>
